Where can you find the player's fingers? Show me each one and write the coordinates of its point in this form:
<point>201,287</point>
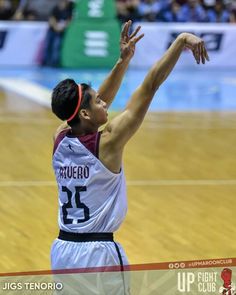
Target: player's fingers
<point>203,58</point>
<point>138,38</point>
<point>125,30</point>
<point>129,23</point>
<point>206,54</point>
<point>135,32</point>
<point>196,55</point>
<point>201,53</point>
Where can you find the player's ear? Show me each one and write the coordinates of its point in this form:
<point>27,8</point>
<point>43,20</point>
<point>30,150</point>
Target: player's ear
<point>83,113</point>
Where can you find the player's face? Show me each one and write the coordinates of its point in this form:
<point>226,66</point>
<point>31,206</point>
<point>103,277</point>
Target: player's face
<point>98,109</point>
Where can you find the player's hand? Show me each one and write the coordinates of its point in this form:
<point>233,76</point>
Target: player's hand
<point>128,41</point>
<point>197,46</point>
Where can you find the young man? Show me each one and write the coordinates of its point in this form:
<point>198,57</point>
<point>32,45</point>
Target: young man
<point>88,162</point>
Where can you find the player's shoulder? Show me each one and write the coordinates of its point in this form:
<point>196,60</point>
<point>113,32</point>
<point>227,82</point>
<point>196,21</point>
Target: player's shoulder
<point>58,137</point>
<point>62,128</point>
<point>61,134</point>
<point>116,129</point>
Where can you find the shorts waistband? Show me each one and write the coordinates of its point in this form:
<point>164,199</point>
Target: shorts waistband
<point>85,237</point>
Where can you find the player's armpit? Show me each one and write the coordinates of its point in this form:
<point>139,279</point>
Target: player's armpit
<point>120,130</point>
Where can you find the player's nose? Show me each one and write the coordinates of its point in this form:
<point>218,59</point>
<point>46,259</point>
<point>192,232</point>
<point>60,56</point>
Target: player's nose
<point>104,104</point>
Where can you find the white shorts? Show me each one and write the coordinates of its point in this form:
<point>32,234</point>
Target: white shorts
<point>71,255</point>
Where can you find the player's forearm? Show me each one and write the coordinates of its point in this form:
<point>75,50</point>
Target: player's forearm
<point>140,100</point>
<point>111,85</point>
<point>143,95</point>
<point>162,68</point>
<point>132,117</point>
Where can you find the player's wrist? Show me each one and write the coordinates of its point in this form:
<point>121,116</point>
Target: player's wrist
<point>123,61</point>
<point>183,38</point>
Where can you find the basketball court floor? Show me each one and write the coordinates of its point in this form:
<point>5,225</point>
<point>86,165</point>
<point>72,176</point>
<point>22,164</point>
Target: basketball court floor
<point>180,168</point>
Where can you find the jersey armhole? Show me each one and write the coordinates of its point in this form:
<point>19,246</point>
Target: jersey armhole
<point>59,137</point>
<point>97,144</point>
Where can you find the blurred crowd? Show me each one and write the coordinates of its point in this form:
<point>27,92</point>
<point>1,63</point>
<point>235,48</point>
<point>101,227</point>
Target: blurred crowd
<point>137,10</point>
<point>220,11</point>
<point>34,10</point>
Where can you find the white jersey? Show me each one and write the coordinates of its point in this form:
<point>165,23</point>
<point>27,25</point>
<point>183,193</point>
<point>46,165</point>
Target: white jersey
<point>91,197</point>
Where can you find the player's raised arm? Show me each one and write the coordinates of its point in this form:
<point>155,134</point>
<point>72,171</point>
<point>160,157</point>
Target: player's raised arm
<point>111,85</point>
<point>124,126</point>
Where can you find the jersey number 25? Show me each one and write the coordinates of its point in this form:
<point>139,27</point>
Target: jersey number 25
<point>78,204</point>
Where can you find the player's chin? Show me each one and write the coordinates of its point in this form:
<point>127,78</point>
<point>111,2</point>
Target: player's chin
<point>105,119</point>
<point>106,116</point>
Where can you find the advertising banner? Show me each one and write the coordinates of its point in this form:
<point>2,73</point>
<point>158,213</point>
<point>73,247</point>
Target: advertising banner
<point>94,43</point>
<point>21,42</point>
<point>91,44</point>
<point>92,39</point>
<point>95,9</point>
<point>220,40</point>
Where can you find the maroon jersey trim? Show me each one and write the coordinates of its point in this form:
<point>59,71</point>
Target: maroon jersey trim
<point>97,144</point>
<point>59,138</point>
<point>90,141</point>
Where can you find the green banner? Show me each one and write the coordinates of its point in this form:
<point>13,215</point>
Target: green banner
<point>95,9</point>
<point>91,44</point>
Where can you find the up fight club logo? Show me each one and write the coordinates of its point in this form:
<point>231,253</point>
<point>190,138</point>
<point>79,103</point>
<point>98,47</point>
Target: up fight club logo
<point>206,282</point>
<point>228,287</point>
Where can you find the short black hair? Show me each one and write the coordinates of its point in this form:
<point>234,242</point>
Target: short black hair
<point>65,99</point>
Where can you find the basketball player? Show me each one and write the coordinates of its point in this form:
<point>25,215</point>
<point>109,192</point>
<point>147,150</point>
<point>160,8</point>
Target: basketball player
<point>88,162</point>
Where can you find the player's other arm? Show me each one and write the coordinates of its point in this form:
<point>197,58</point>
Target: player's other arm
<point>126,124</point>
<point>111,84</point>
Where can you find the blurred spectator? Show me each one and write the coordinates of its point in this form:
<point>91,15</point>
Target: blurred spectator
<point>6,9</point>
<point>233,16</point>
<point>34,9</point>
<point>218,13</point>
<point>150,10</point>
<point>25,13</point>
<point>165,4</point>
<point>182,2</point>
<point>192,11</point>
<point>127,10</point>
<point>208,3</point>
<point>59,20</point>
<point>233,13</point>
<point>173,13</point>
